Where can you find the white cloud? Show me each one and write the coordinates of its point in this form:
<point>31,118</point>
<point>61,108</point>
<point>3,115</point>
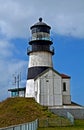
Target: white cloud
<point>65,16</point>
<point>8,66</point>
<point>7,69</point>
<point>6,49</point>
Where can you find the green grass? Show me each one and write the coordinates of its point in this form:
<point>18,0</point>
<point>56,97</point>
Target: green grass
<point>62,128</point>
<point>79,125</point>
<point>18,110</point>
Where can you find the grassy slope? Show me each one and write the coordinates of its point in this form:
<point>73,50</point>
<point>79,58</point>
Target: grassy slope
<point>20,110</point>
<point>79,125</point>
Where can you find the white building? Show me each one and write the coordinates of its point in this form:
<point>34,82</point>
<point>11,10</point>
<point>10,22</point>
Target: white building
<point>52,88</point>
<point>46,85</point>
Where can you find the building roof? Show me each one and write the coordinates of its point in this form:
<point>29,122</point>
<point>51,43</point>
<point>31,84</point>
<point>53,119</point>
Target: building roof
<point>16,89</point>
<point>35,71</point>
<point>64,76</point>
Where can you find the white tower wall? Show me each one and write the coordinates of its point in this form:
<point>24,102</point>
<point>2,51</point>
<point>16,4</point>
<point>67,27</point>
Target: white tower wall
<point>37,59</point>
<point>30,88</point>
<point>40,59</point>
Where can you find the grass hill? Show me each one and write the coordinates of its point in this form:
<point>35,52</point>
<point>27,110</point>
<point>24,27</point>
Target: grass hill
<point>18,110</point>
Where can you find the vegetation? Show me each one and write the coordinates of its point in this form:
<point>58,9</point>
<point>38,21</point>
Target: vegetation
<point>15,111</point>
<point>79,125</point>
<point>19,110</point>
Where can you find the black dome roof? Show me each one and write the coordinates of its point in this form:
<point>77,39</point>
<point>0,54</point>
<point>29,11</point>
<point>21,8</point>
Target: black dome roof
<point>40,23</point>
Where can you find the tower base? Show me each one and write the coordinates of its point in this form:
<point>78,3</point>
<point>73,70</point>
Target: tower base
<point>30,88</point>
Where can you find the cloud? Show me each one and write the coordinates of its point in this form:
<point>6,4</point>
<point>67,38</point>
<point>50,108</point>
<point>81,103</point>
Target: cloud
<point>7,69</point>
<point>9,66</point>
<point>65,16</point>
<point>5,49</point>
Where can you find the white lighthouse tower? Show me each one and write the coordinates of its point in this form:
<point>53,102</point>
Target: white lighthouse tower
<point>40,54</point>
<point>46,85</point>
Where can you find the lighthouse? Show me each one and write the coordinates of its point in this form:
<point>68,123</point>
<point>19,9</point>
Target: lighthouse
<point>40,54</point>
<point>44,83</point>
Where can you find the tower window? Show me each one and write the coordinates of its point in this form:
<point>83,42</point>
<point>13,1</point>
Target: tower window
<point>64,86</point>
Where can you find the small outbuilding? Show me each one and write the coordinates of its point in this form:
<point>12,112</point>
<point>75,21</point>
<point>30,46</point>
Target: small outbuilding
<point>17,92</point>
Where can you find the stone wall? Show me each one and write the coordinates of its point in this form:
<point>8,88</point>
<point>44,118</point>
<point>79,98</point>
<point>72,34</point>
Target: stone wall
<point>78,113</point>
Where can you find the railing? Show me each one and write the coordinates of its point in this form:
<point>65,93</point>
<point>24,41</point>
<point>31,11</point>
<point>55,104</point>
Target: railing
<point>29,49</point>
<point>52,49</point>
<point>40,38</point>
<point>27,126</point>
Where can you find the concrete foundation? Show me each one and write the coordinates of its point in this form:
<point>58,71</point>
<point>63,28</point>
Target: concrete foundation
<point>77,112</point>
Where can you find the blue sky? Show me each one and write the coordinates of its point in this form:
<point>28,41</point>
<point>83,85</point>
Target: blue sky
<point>66,18</point>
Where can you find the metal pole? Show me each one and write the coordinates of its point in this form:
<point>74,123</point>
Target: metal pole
<point>18,84</point>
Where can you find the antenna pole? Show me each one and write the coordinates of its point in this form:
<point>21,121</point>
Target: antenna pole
<point>17,79</point>
<point>18,84</point>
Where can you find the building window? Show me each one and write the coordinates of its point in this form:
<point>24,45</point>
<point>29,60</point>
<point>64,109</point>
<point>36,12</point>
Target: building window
<point>47,80</point>
<point>64,86</point>
<point>14,94</point>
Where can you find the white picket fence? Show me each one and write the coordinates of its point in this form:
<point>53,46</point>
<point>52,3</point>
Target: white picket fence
<point>26,126</point>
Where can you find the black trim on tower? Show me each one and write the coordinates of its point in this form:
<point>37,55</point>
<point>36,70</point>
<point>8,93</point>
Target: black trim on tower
<point>39,47</point>
<point>34,71</point>
<point>41,42</point>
